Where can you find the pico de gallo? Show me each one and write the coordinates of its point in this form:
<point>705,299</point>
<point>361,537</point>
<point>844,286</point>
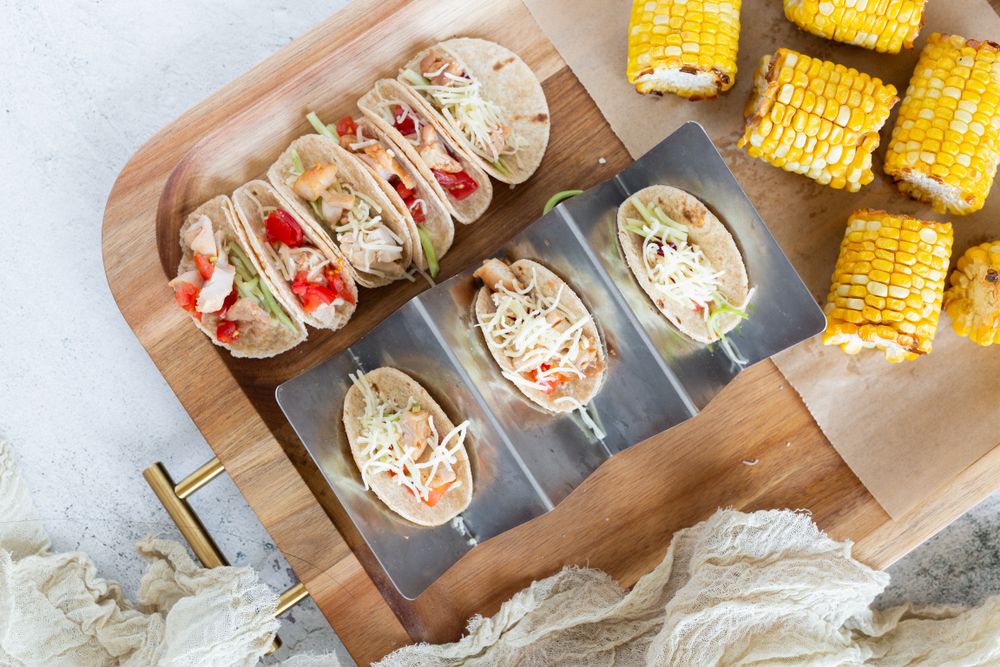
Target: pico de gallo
<point>357,135</point>
<point>223,290</point>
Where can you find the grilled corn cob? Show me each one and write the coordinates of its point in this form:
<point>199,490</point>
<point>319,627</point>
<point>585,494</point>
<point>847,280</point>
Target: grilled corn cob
<point>688,48</point>
<point>973,300</point>
<point>882,26</point>
<point>946,143</point>
<point>816,118</point>
<point>887,286</point>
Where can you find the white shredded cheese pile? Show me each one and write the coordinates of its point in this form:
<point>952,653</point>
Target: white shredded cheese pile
<point>681,273</point>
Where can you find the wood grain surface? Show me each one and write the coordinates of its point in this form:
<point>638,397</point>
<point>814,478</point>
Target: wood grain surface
<point>621,518</point>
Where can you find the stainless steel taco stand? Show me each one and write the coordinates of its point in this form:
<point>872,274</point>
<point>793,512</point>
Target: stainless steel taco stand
<point>525,461</point>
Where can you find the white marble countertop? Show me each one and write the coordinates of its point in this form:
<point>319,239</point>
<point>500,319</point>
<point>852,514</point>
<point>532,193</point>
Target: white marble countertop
<point>83,84</point>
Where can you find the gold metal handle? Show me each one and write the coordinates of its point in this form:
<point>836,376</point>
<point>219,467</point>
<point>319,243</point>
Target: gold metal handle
<point>173,497</point>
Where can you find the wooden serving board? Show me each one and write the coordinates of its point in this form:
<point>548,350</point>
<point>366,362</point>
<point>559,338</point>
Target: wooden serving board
<point>621,518</point>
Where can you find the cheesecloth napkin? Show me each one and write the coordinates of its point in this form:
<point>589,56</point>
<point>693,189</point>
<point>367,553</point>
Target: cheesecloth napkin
<point>765,588</point>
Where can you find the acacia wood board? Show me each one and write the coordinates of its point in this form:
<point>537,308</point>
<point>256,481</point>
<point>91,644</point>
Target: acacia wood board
<point>621,518</point>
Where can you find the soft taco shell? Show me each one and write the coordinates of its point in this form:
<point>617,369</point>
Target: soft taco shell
<point>313,149</point>
<point>508,82</point>
<point>389,91</point>
<point>257,340</point>
<point>398,386</point>
<point>252,230</point>
<point>437,223</point>
<point>583,389</point>
<point>704,230</point>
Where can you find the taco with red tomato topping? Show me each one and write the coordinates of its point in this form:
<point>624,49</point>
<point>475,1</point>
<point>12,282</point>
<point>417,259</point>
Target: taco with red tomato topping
<point>540,334</point>
<point>464,188</point>
<point>686,261</point>
<point>487,100</point>
<point>310,277</point>
<point>224,288</point>
<point>331,190</point>
<point>418,206</point>
<point>407,450</point>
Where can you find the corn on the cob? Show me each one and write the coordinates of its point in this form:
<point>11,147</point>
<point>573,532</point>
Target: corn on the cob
<point>888,283</point>
<point>973,300</point>
<point>884,26</point>
<point>946,143</point>
<point>688,48</point>
<point>816,118</point>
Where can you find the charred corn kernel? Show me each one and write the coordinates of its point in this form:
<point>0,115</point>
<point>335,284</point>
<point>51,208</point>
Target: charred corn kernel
<point>886,26</point>
<point>849,123</point>
<point>894,313</point>
<point>686,47</point>
<point>973,300</point>
<point>945,146</point>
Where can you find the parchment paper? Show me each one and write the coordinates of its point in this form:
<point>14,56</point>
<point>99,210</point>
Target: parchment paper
<point>903,428</point>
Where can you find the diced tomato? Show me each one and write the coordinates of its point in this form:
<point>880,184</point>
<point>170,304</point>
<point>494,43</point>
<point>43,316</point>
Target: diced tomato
<point>697,306</point>
<point>337,284</point>
<point>186,296</point>
<point>417,212</point>
<point>205,266</point>
<point>281,227</point>
<point>227,331</point>
<point>230,300</point>
<point>435,494</point>
<point>550,382</point>
<point>406,126</point>
<point>346,126</point>
<point>403,191</point>
<point>459,185</point>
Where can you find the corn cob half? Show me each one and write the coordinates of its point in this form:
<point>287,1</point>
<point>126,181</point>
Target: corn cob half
<point>816,118</point>
<point>881,25</point>
<point>683,47</point>
<point>888,284</point>
<point>973,300</point>
<point>946,143</point>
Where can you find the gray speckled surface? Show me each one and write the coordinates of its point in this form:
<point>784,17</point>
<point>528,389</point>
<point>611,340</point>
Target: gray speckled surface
<point>82,84</point>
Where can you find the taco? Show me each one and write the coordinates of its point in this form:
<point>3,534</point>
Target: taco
<point>685,260</point>
<point>309,276</point>
<point>488,100</point>
<point>408,451</point>
<point>418,206</point>
<point>222,285</point>
<point>540,333</point>
<point>464,188</point>
<point>331,190</point>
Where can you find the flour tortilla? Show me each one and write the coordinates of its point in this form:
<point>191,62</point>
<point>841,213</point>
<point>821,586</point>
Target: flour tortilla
<point>704,230</point>
<point>583,389</point>
<point>398,386</point>
<point>437,223</point>
<point>252,229</point>
<point>313,149</point>
<point>388,92</point>
<point>508,82</point>
<point>257,340</point>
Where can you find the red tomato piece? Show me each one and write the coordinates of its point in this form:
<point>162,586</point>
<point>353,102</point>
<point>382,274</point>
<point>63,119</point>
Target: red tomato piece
<point>337,284</point>
<point>403,191</point>
<point>416,211</point>
<point>186,296</point>
<point>550,382</point>
<point>435,494</point>
<point>205,266</point>
<point>406,126</point>
<point>227,331</point>
<point>230,300</point>
<point>459,185</point>
<point>346,125</point>
<point>281,227</point>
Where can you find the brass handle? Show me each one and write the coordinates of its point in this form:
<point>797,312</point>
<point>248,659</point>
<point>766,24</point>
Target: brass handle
<point>173,497</point>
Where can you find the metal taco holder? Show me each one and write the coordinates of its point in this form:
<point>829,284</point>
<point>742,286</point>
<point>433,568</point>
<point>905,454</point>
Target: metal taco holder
<point>526,460</point>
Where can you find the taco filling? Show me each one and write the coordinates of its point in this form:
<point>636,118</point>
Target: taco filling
<point>357,136</point>
<point>355,219</point>
<point>678,270</point>
<point>545,341</point>
<point>403,441</point>
<point>314,278</point>
<point>458,96</point>
<point>433,149</point>
<point>224,292</point>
